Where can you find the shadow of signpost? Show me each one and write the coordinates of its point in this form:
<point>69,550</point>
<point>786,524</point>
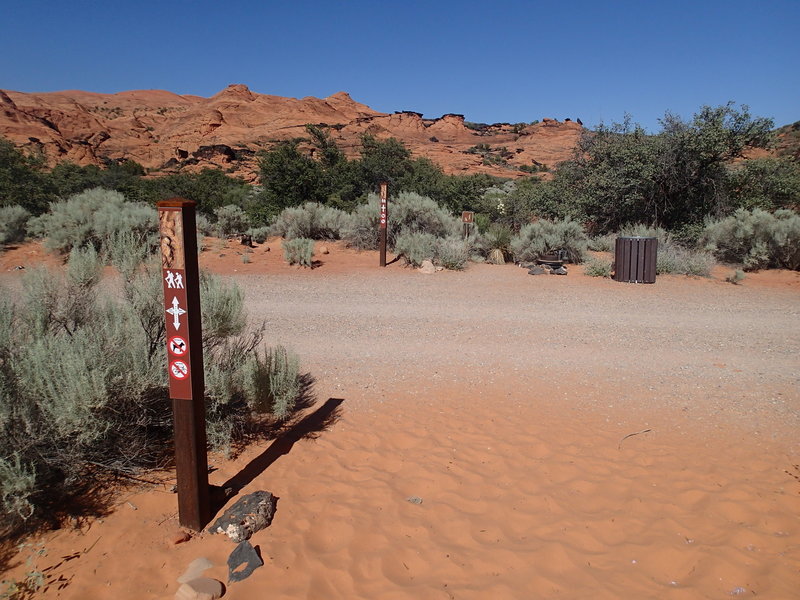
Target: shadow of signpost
<point>308,427</point>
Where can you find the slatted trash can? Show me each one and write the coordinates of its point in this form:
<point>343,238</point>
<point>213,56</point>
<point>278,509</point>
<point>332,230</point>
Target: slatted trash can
<point>635,259</point>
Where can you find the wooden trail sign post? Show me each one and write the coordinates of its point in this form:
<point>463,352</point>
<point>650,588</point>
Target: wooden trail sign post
<point>467,218</point>
<point>181,282</point>
<point>384,220</point>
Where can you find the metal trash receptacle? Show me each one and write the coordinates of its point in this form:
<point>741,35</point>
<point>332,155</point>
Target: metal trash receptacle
<point>635,259</point>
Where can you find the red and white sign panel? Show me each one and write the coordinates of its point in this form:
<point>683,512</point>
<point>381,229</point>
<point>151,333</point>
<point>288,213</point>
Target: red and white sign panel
<point>177,319</point>
<point>177,346</point>
<point>179,370</point>
<point>467,216</point>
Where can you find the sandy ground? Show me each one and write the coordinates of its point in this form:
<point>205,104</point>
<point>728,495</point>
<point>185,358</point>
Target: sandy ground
<point>568,437</point>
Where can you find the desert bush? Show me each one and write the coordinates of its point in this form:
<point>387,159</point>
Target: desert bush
<point>231,221</point>
<point>736,277</point>
<point>543,237</point>
<point>757,239</point>
<point>83,389</point>
<point>312,220</point>
<point>497,237</point>
<point>298,251</point>
<point>452,253</point>
<point>273,383</point>
<point>642,230</point>
<point>677,260</point>
<point>92,218</point>
<point>408,213</point>
<point>602,243</point>
<point>361,229</point>
<point>204,226</point>
<point>259,234</point>
<point>416,247</point>
<point>598,268</point>
<point>126,250</point>
<point>13,222</point>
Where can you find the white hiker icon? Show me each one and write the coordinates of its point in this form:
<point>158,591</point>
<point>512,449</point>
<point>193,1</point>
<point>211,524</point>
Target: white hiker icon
<point>174,280</point>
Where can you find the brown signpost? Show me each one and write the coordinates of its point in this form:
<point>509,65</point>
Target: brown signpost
<point>181,283</point>
<point>384,186</point>
<point>467,218</point>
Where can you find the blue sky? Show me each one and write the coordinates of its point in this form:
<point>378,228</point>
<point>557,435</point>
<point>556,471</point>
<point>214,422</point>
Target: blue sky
<point>492,61</point>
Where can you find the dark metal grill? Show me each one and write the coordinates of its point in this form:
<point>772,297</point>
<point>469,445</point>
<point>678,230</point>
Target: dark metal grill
<point>635,259</point>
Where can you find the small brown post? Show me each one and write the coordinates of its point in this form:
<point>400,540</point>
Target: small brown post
<point>467,218</point>
<point>181,283</point>
<point>384,220</point>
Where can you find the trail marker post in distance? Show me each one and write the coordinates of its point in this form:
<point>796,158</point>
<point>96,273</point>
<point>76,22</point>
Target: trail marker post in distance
<point>384,220</point>
<point>467,218</point>
<point>181,282</point>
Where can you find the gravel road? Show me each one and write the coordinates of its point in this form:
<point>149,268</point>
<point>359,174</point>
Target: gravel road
<point>715,348</point>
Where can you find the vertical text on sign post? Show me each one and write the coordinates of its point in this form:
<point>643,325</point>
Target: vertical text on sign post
<point>384,217</point>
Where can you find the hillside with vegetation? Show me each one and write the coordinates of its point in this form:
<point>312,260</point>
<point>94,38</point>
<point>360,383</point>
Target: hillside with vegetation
<point>171,133</point>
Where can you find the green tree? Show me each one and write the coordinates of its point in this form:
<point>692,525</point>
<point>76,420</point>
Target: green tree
<point>673,179</point>
<point>22,181</point>
<point>289,178</point>
<point>766,183</point>
<point>384,160</point>
<point>210,188</point>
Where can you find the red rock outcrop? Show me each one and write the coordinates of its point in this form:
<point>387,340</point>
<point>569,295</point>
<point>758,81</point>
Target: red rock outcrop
<point>167,132</point>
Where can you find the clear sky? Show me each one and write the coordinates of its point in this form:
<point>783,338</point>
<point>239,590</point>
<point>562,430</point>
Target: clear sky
<point>492,60</point>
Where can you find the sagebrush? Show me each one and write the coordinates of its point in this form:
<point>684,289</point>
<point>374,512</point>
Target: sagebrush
<point>311,220</point>
<point>545,237</point>
<point>13,224</point>
<point>93,218</point>
<point>757,239</point>
<point>298,251</point>
<point>408,213</point>
<point>415,247</point>
<point>83,383</point>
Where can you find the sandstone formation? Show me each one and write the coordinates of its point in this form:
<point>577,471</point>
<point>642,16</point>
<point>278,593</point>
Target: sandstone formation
<point>167,132</point>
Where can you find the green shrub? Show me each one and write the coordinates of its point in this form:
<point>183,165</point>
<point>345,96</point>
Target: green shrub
<point>231,221</point>
<point>259,234</point>
<point>298,251</point>
<point>13,222</point>
<point>642,230</point>
<point>416,247</point>
<point>736,277</point>
<point>92,218</point>
<point>408,213</point>
<point>544,237</point>
<point>757,239</point>
<point>273,382</point>
<point>127,250</point>
<point>598,268</point>
<point>361,229</point>
<point>676,260</point>
<point>204,226</point>
<point>312,220</point>
<point>83,387</point>
<point>452,253</point>
<point>498,237</point>
<point>602,243</point>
